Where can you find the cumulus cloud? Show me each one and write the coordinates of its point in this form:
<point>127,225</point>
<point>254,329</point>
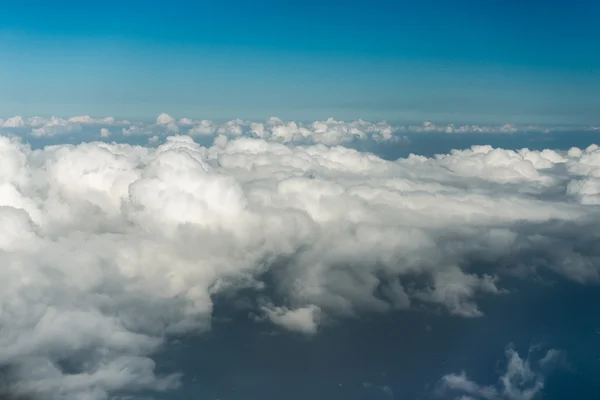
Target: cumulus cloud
<point>109,249</point>
<point>202,128</point>
<point>168,122</point>
<point>329,132</point>
<point>164,119</point>
<point>86,119</point>
<point>13,122</point>
<point>56,126</point>
<point>520,380</point>
<point>136,130</point>
<point>451,128</point>
<point>302,320</point>
<point>104,132</point>
<point>53,126</point>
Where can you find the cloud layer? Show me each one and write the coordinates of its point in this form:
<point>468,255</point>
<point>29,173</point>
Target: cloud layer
<point>329,132</point>
<point>110,249</point>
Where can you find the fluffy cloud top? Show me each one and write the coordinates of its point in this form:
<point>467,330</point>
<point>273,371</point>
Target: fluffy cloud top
<point>104,132</point>
<point>13,122</point>
<point>109,249</point>
<point>302,319</point>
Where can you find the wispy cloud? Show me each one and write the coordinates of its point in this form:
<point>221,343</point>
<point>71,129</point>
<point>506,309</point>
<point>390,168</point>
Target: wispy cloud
<point>520,381</point>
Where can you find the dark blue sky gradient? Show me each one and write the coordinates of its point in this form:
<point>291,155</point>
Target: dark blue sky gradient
<point>467,60</point>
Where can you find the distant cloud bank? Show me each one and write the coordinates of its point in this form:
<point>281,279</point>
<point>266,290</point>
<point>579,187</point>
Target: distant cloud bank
<point>327,132</point>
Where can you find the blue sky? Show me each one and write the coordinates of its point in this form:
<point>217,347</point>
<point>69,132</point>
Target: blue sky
<point>447,61</point>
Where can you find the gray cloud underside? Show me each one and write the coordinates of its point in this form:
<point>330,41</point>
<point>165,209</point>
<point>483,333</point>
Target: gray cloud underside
<point>109,249</point>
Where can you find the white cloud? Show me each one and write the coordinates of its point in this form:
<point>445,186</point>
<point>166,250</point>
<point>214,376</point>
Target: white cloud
<point>329,132</point>
<point>168,122</point>
<point>203,128</point>
<point>302,320</point>
<point>41,126</point>
<point>35,122</point>
<point>104,132</point>
<point>56,126</point>
<point>186,121</point>
<point>112,247</point>
<point>13,122</point>
<point>457,129</point>
<point>137,130</point>
<point>519,382</point>
<point>86,119</point>
<point>164,119</point>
